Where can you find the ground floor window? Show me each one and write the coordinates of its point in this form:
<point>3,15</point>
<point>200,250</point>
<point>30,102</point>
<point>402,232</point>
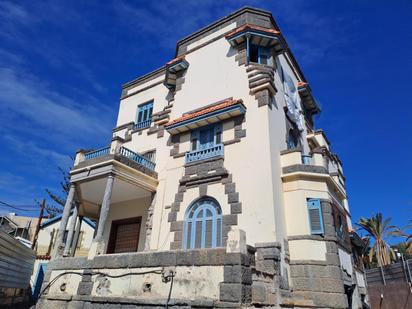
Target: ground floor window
<point>124,235</point>
<point>203,224</point>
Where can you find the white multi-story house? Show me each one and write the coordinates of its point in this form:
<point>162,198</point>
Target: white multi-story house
<point>216,189</point>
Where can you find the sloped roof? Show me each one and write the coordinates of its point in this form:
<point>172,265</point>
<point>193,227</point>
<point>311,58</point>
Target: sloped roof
<point>59,217</point>
<point>204,111</point>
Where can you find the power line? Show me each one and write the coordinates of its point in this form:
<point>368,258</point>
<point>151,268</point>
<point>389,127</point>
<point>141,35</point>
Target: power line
<point>4,204</point>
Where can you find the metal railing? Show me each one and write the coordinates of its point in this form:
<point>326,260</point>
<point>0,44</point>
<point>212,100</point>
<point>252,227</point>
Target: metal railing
<point>137,158</point>
<point>97,153</point>
<point>203,154</point>
<point>143,124</point>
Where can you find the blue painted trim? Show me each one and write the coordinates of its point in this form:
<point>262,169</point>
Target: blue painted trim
<point>183,63</point>
<point>137,158</point>
<point>144,121</point>
<point>203,154</point>
<point>202,204</point>
<point>239,107</point>
<point>58,218</point>
<point>35,288</point>
<point>314,204</point>
<point>247,50</point>
<point>255,32</point>
<point>97,153</point>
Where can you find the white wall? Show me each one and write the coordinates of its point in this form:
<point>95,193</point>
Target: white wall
<point>129,209</point>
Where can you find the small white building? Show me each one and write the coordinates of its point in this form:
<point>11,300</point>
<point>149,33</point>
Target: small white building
<point>82,237</point>
<point>217,178</point>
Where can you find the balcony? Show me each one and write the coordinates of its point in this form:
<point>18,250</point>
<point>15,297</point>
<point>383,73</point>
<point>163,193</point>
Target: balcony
<point>204,154</point>
<point>143,124</point>
<point>315,167</point>
<point>294,161</point>
<point>134,176</point>
<point>105,153</point>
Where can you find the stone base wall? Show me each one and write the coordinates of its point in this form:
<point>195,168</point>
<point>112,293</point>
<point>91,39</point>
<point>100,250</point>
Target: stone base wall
<point>203,278</point>
<point>319,283</point>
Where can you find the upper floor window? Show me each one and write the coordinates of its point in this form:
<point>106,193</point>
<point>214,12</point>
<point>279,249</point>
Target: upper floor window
<point>259,54</point>
<point>144,115</point>
<point>205,143</point>
<point>339,224</point>
<point>292,142</point>
<point>315,216</point>
<point>203,225</point>
<point>206,137</point>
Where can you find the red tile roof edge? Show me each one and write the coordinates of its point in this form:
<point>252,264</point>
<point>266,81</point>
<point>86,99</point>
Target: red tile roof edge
<point>175,60</point>
<point>252,27</point>
<point>205,111</point>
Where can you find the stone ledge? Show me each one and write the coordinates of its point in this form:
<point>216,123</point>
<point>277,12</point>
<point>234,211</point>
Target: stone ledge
<point>196,257</point>
<point>304,168</point>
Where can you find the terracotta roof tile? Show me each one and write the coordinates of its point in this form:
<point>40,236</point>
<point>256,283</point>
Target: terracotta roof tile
<point>205,111</point>
<point>175,60</point>
<point>251,27</point>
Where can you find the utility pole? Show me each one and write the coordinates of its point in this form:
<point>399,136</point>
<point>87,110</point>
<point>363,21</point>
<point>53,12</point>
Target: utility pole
<point>36,233</point>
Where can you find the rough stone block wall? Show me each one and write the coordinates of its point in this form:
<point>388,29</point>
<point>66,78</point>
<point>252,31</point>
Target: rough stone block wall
<point>321,282</point>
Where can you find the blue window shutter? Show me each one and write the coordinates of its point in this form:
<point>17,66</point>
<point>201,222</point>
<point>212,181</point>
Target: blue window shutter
<point>315,217</point>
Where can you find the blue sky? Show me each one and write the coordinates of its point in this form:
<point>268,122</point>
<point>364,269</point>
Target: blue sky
<point>62,65</point>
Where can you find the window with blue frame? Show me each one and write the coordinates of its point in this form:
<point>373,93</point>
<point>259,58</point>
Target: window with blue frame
<point>144,115</point>
<point>315,216</point>
<point>259,54</point>
<point>206,137</point>
<point>203,224</point>
<point>206,142</point>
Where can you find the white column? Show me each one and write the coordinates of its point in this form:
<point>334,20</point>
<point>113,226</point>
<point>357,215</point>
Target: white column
<point>71,232</point>
<point>59,247</point>
<point>76,236</point>
<point>98,245</point>
<point>149,223</point>
<point>104,211</point>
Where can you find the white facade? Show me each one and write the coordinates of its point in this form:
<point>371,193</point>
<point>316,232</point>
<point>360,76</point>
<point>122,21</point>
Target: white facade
<point>262,168</point>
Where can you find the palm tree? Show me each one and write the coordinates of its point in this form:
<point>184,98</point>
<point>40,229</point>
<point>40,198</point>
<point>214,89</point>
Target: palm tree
<point>379,229</point>
<point>408,241</point>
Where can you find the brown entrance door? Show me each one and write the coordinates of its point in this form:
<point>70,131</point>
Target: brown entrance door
<point>124,235</point>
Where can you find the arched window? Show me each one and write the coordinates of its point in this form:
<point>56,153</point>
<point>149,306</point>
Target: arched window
<point>203,225</point>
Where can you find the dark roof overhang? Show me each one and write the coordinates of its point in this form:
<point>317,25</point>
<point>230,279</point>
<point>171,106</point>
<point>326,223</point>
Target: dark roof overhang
<point>260,36</point>
<point>209,115</point>
<point>173,67</point>
<point>309,102</point>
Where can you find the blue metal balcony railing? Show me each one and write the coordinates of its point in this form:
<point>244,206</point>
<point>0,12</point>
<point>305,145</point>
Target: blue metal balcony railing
<point>97,153</point>
<point>203,154</point>
<point>137,158</point>
<point>143,124</point>
<point>124,152</point>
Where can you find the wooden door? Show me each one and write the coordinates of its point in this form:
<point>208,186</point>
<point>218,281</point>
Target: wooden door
<point>124,235</point>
